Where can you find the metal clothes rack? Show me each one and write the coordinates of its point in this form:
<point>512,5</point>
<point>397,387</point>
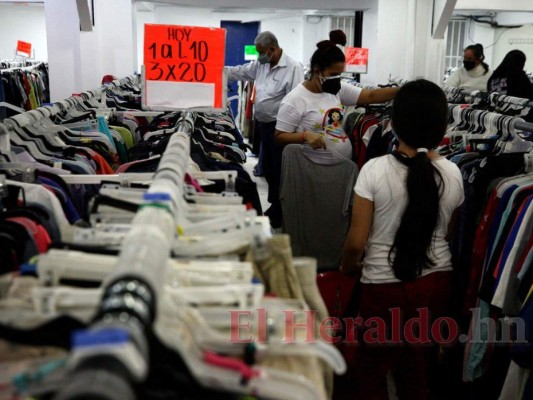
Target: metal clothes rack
<point>129,303</point>
<point>493,97</point>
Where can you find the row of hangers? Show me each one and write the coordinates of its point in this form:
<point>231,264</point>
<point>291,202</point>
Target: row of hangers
<point>483,127</point>
<point>191,299</point>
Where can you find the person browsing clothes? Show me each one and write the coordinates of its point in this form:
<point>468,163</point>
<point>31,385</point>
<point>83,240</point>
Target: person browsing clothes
<point>402,221</point>
<point>275,75</point>
<point>313,112</point>
<point>510,79</point>
<point>474,73</point>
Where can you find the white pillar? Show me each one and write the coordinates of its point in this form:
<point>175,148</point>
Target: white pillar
<point>63,37</point>
<point>399,36</point>
<point>78,60</point>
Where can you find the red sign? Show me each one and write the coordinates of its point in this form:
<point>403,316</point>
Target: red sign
<point>23,48</point>
<point>356,60</point>
<point>185,55</point>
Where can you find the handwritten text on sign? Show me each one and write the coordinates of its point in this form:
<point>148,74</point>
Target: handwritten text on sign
<point>23,48</point>
<point>356,59</point>
<point>175,53</point>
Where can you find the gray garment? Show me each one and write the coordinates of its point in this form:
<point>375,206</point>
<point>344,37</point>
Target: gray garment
<point>316,194</point>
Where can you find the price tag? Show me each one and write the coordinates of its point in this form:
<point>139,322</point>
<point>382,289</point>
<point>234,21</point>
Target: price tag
<point>184,67</point>
<point>356,60</point>
<point>23,49</point>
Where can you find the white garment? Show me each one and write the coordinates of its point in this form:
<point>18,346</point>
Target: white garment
<point>475,79</point>
<point>382,180</point>
<point>303,110</point>
<point>271,84</point>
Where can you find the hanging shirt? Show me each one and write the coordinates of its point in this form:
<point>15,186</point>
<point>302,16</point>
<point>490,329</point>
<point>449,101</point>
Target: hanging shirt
<point>323,113</point>
<point>272,83</point>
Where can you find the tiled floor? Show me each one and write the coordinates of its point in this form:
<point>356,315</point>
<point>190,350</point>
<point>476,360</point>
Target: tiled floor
<point>262,186</point>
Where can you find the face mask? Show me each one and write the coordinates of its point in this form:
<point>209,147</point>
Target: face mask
<point>469,65</point>
<point>331,86</point>
<point>264,58</point>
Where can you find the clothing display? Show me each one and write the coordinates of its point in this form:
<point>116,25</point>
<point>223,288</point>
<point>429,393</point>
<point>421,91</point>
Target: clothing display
<point>334,228</point>
<point>26,87</point>
<point>70,211</point>
<point>309,183</point>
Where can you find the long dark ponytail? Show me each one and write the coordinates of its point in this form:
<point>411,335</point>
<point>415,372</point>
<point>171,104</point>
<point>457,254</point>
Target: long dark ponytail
<point>419,118</point>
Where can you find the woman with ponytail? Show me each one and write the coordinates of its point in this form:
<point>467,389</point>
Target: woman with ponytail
<point>402,221</point>
<point>475,72</point>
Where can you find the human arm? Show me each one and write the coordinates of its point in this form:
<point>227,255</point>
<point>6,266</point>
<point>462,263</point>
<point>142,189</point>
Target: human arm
<point>313,139</point>
<point>245,72</point>
<point>376,96</point>
<point>354,247</point>
<point>454,80</point>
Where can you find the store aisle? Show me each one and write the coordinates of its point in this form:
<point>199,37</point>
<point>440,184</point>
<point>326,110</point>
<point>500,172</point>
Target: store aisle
<point>262,186</point>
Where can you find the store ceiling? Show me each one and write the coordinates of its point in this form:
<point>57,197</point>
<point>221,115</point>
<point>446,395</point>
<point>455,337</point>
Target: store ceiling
<point>257,5</point>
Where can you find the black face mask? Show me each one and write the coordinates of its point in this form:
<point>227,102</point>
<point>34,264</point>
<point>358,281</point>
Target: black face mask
<point>331,86</point>
<point>469,65</point>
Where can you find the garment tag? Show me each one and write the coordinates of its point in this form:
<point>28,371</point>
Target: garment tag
<point>58,164</point>
<point>529,162</point>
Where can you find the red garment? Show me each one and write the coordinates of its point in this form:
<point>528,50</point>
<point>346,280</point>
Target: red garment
<point>37,232</point>
<point>479,248</point>
<point>373,361</point>
<point>359,147</point>
<point>102,167</point>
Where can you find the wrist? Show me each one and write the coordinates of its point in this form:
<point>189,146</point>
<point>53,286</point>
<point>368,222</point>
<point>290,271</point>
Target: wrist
<point>303,137</point>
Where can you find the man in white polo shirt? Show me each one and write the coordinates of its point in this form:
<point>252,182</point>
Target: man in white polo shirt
<point>275,75</point>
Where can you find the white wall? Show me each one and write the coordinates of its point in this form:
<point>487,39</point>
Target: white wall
<point>370,40</point>
<point>289,32</point>
<point>63,35</point>
<point>484,34</point>
<point>78,60</point>
<point>315,29</point>
<point>503,46</point>
<point>22,22</point>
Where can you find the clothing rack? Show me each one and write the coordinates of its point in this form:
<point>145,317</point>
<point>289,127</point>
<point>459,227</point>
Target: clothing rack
<point>488,118</point>
<point>14,63</point>
<point>139,269</point>
<point>494,98</point>
<point>397,81</point>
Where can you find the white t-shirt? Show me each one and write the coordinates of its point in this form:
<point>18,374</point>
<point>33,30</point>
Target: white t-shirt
<point>382,180</point>
<point>302,110</point>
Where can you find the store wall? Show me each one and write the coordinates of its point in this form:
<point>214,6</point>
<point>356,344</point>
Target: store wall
<point>484,34</point>
<point>314,30</point>
<point>289,32</point>
<point>503,46</point>
<point>22,22</point>
<point>79,60</point>
<point>297,35</point>
<point>398,34</point>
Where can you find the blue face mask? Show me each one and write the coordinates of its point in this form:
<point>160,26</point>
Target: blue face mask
<point>264,58</point>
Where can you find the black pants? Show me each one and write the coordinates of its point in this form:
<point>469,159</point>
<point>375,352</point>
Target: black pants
<point>271,168</point>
